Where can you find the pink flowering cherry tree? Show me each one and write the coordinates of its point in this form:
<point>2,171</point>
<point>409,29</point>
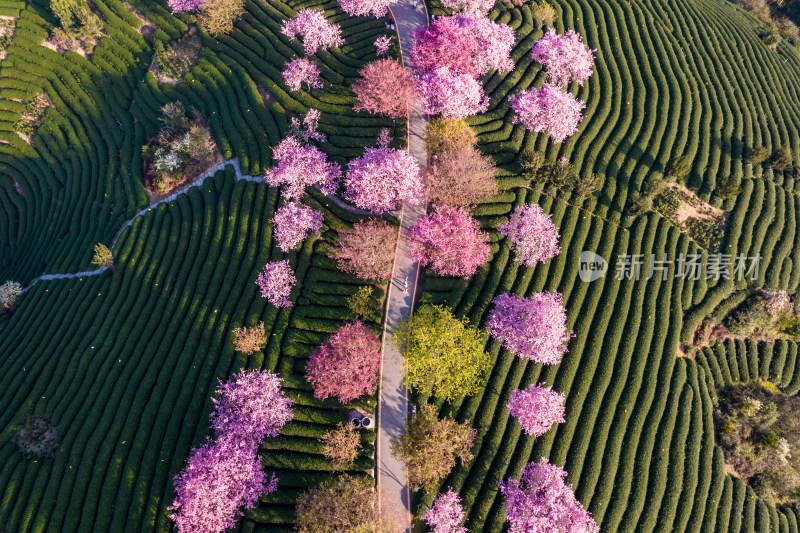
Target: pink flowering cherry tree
<point>469,6</point>
<point>276,282</point>
<point>382,45</point>
<point>302,165</point>
<point>542,502</point>
<point>449,241</point>
<point>493,43</point>
<point>185,6</point>
<point>444,43</point>
<point>300,71</point>
<point>220,479</point>
<point>549,109</point>
<point>566,57</point>
<point>534,327</point>
<point>385,88</point>
<point>346,366</point>
<point>465,43</point>
<point>446,515</point>
<point>293,223</point>
<point>314,28</point>
<point>452,94</point>
<point>366,8</point>
<point>537,408</point>
<point>533,235</point>
<point>251,405</point>
<point>224,475</point>
<point>383,177</point>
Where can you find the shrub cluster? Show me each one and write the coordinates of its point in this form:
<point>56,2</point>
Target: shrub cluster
<point>758,429</point>
<point>182,149</point>
<point>171,62</point>
<point>80,26</point>
<point>38,437</point>
<point>32,116</point>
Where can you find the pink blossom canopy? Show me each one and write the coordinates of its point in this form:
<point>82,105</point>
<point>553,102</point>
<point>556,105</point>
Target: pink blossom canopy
<point>450,241</point>
<point>366,8</point>
<point>385,87</point>
<point>444,43</point>
<point>565,57</point>
<point>300,166</point>
<point>300,71</point>
<point>276,282</point>
<point>293,222</point>
<point>185,6</point>
<point>533,327</point>
<point>537,408</point>
<point>314,28</point>
<point>469,6</point>
<point>251,405</point>
<point>382,45</point>
<point>382,178</point>
<point>224,475</point>
<point>346,366</point>
<point>451,94</point>
<point>466,44</point>
<point>533,234</point>
<point>541,502</point>
<point>446,515</point>
<point>549,109</point>
<point>493,43</point>
<point>220,479</point>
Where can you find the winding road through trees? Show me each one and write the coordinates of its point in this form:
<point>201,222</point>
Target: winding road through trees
<point>393,397</point>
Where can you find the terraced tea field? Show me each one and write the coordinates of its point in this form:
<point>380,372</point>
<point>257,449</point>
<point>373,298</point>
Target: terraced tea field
<point>126,361</point>
<point>672,78</point>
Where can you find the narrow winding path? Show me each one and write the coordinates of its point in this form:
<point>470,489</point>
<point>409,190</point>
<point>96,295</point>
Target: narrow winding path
<point>197,182</point>
<point>393,397</point>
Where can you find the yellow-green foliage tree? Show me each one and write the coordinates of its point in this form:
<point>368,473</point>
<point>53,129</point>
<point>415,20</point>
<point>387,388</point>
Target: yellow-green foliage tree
<point>443,355</point>
<point>102,256</point>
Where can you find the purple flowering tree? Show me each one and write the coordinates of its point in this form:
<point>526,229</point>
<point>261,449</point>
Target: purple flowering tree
<point>220,479</point>
<point>224,475</point>
<point>251,405</point>
<point>534,327</point>
<point>533,235</point>
<point>382,178</point>
<point>444,43</point>
<point>366,8</point>
<point>314,28</point>
<point>493,43</point>
<point>541,502</point>
<point>565,57</point>
<point>382,45</point>
<point>185,6</point>
<point>479,7</point>
<point>451,94</point>
<point>449,241</point>
<point>549,109</point>
<point>302,165</point>
<point>293,222</point>
<point>537,408</point>
<point>276,282</point>
<point>464,43</point>
<point>446,515</point>
<point>300,71</point>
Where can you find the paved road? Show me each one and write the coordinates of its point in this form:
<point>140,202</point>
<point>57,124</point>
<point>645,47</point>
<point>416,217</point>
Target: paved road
<point>393,399</point>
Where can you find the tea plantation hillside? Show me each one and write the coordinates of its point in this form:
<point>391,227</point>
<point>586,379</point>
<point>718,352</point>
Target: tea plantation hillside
<point>672,78</point>
<point>126,361</point>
